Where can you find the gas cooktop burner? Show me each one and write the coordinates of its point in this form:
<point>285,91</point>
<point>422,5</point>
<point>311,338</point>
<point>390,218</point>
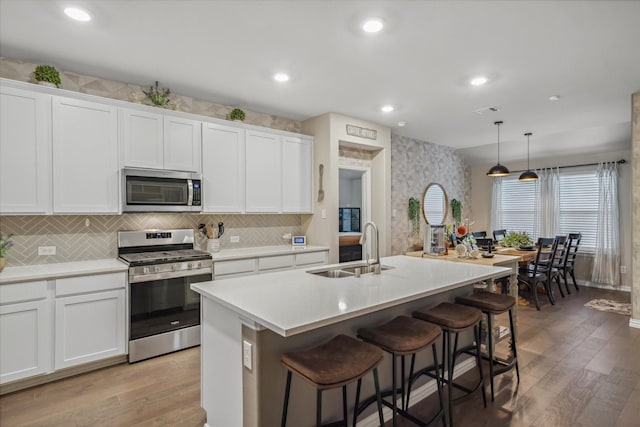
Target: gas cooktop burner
<point>161,257</point>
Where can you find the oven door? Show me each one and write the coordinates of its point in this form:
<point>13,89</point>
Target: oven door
<point>163,305</point>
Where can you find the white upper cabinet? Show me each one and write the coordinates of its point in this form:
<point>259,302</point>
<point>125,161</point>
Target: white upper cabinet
<point>85,157</point>
<point>25,152</point>
<point>263,172</point>
<point>297,184</point>
<point>142,144</point>
<point>182,144</point>
<point>158,141</point>
<point>223,152</point>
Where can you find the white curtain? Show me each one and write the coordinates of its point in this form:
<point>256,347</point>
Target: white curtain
<point>606,265</point>
<point>547,223</point>
<point>496,204</point>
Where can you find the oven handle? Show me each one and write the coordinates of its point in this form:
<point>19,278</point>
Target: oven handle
<point>190,192</point>
<point>170,275</point>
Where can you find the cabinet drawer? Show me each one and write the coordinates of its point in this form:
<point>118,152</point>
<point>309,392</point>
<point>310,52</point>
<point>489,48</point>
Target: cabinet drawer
<point>26,291</point>
<point>86,284</point>
<point>311,258</point>
<point>272,262</point>
<point>221,268</point>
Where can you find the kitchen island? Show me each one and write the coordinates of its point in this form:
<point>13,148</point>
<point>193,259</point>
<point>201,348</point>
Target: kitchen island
<point>248,322</point>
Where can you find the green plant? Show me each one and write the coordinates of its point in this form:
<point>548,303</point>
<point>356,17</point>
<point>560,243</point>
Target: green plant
<point>5,244</point>
<point>47,73</point>
<point>157,96</point>
<point>516,239</point>
<point>237,114</point>
<point>414,214</point>
<point>456,211</point>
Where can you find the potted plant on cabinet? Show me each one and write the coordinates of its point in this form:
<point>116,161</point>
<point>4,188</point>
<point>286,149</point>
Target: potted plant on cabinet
<point>237,115</point>
<point>413,211</point>
<point>158,97</point>
<point>47,75</point>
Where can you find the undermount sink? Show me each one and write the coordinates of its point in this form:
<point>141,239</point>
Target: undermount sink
<point>347,271</point>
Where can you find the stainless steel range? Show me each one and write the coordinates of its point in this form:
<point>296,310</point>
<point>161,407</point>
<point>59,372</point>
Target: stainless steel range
<point>164,313</point>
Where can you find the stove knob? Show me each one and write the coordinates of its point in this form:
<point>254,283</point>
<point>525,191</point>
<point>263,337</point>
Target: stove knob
<point>145,270</point>
<point>156,269</point>
<point>173,266</point>
<point>189,266</point>
<point>199,264</point>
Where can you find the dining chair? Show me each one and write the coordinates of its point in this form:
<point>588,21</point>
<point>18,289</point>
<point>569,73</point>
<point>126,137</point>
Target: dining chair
<point>498,235</point>
<point>479,234</point>
<point>571,249</point>
<point>541,270</point>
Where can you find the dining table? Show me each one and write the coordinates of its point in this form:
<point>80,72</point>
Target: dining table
<point>527,256</point>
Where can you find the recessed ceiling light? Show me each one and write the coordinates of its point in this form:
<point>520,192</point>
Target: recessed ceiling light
<point>372,25</point>
<point>402,124</point>
<point>387,108</point>
<point>554,97</point>
<point>281,77</point>
<point>478,81</point>
<point>77,14</point>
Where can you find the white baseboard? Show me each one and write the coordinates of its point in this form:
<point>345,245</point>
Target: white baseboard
<point>634,323</point>
<point>589,284</point>
<point>418,394</point>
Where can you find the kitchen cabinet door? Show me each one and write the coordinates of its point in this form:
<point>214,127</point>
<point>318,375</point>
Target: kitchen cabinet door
<point>141,139</point>
<point>182,144</point>
<point>89,327</point>
<point>85,157</point>
<point>263,173</point>
<point>25,152</point>
<point>297,165</point>
<point>25,331</point>
<point>223,152</point>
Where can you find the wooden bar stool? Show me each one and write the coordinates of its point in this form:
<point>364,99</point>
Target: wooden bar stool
<point>336,363</point>
<point>455,318</point>
<point>491,304</point>
<point>400,337</point>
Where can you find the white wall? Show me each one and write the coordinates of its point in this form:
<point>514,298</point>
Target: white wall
<point>481,200</point>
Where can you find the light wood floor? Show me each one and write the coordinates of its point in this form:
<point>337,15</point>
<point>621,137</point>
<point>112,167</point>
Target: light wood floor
<point>579,367</point>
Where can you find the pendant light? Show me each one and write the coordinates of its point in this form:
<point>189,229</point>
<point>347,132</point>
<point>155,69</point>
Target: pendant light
<point>498,170</point>
<point>528,175</point>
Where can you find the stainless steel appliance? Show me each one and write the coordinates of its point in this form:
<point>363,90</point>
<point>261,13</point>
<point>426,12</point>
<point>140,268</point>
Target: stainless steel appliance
<point>152,190</point>
<point>164,313</point>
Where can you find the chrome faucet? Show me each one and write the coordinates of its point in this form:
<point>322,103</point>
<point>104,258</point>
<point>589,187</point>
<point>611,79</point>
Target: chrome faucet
<point>363,240</point>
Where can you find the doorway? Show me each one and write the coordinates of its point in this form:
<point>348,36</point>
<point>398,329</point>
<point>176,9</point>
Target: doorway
<point>354,211</point>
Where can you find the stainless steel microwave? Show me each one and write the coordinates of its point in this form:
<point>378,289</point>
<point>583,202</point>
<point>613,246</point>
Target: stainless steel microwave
<point>152,190</point>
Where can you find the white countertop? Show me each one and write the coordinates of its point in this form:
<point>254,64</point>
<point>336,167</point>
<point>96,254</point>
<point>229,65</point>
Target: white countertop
<point>241,253</point>
<point>59,270</point>
<point>294,301</point>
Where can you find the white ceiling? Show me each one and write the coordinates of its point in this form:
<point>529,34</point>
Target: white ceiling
<point>588,52</point>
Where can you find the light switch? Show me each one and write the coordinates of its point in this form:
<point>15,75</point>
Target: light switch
<point>324,214</point>
<point>247,354</point>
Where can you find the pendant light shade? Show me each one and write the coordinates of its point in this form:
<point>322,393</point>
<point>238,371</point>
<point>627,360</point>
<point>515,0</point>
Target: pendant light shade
<point>528,175</point>
<point>498,169</point>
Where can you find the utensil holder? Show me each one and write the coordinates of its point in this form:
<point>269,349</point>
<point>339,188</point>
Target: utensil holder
<point>213,245</point>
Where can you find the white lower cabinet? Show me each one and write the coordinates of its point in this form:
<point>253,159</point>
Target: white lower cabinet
<point>267,264</point>
<point>25,331</point>
<point>89,326</point>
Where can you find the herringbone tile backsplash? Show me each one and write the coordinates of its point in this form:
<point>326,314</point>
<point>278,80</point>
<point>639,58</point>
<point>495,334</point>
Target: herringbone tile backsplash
<point>75,241</point>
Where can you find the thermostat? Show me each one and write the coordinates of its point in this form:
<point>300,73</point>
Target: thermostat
<point>299,241</point>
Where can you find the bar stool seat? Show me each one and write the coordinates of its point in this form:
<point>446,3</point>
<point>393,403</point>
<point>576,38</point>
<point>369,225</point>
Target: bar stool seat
<point>455,318</point>
<point>336,363</point>
<point>404,336</point>
<point>491,304</point>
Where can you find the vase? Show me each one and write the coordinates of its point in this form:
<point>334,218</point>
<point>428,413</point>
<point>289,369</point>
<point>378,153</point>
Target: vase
<point>3,262</point>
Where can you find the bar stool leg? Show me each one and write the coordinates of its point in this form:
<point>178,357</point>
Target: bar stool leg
<point>355,411</point>
<point>438,383</point>
<point>319,408</point>
<point>344,405</point>
<point>378,396</point>
<point>449,376</point>
<point>478,333</point>
<point>490,348</point>
<point>513,344</point>
<point>394,390</point>
<point>286,400</point>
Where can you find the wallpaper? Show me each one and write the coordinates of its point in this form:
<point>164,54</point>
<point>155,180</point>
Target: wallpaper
<point>414,165</point>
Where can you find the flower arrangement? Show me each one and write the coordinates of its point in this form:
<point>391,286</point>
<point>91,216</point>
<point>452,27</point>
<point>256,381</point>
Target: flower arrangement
<point>157,96</point>
<point>516,239</point>
<point>5,244</point>
<point>456,211</point>
<point>237,114</point>
<point>47,73</point>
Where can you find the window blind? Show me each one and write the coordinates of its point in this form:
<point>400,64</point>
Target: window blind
<point>519,205</point>
<point>579,206</point>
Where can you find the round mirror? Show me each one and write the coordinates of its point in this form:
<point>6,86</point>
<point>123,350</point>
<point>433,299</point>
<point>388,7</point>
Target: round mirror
<point>434,204</point>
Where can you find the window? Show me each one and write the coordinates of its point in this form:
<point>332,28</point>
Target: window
<point>579,206</point>
<point>519,207</point>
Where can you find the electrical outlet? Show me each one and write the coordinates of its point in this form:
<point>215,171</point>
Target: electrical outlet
<point>623,269</point>
<point>235,239</point>
<point>286,236</point>
<point>323,214</point>
<point>247,356</point>
<point>46,250</point>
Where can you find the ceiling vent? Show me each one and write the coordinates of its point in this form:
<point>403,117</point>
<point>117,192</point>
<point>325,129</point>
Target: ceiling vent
<point>485,110</point>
